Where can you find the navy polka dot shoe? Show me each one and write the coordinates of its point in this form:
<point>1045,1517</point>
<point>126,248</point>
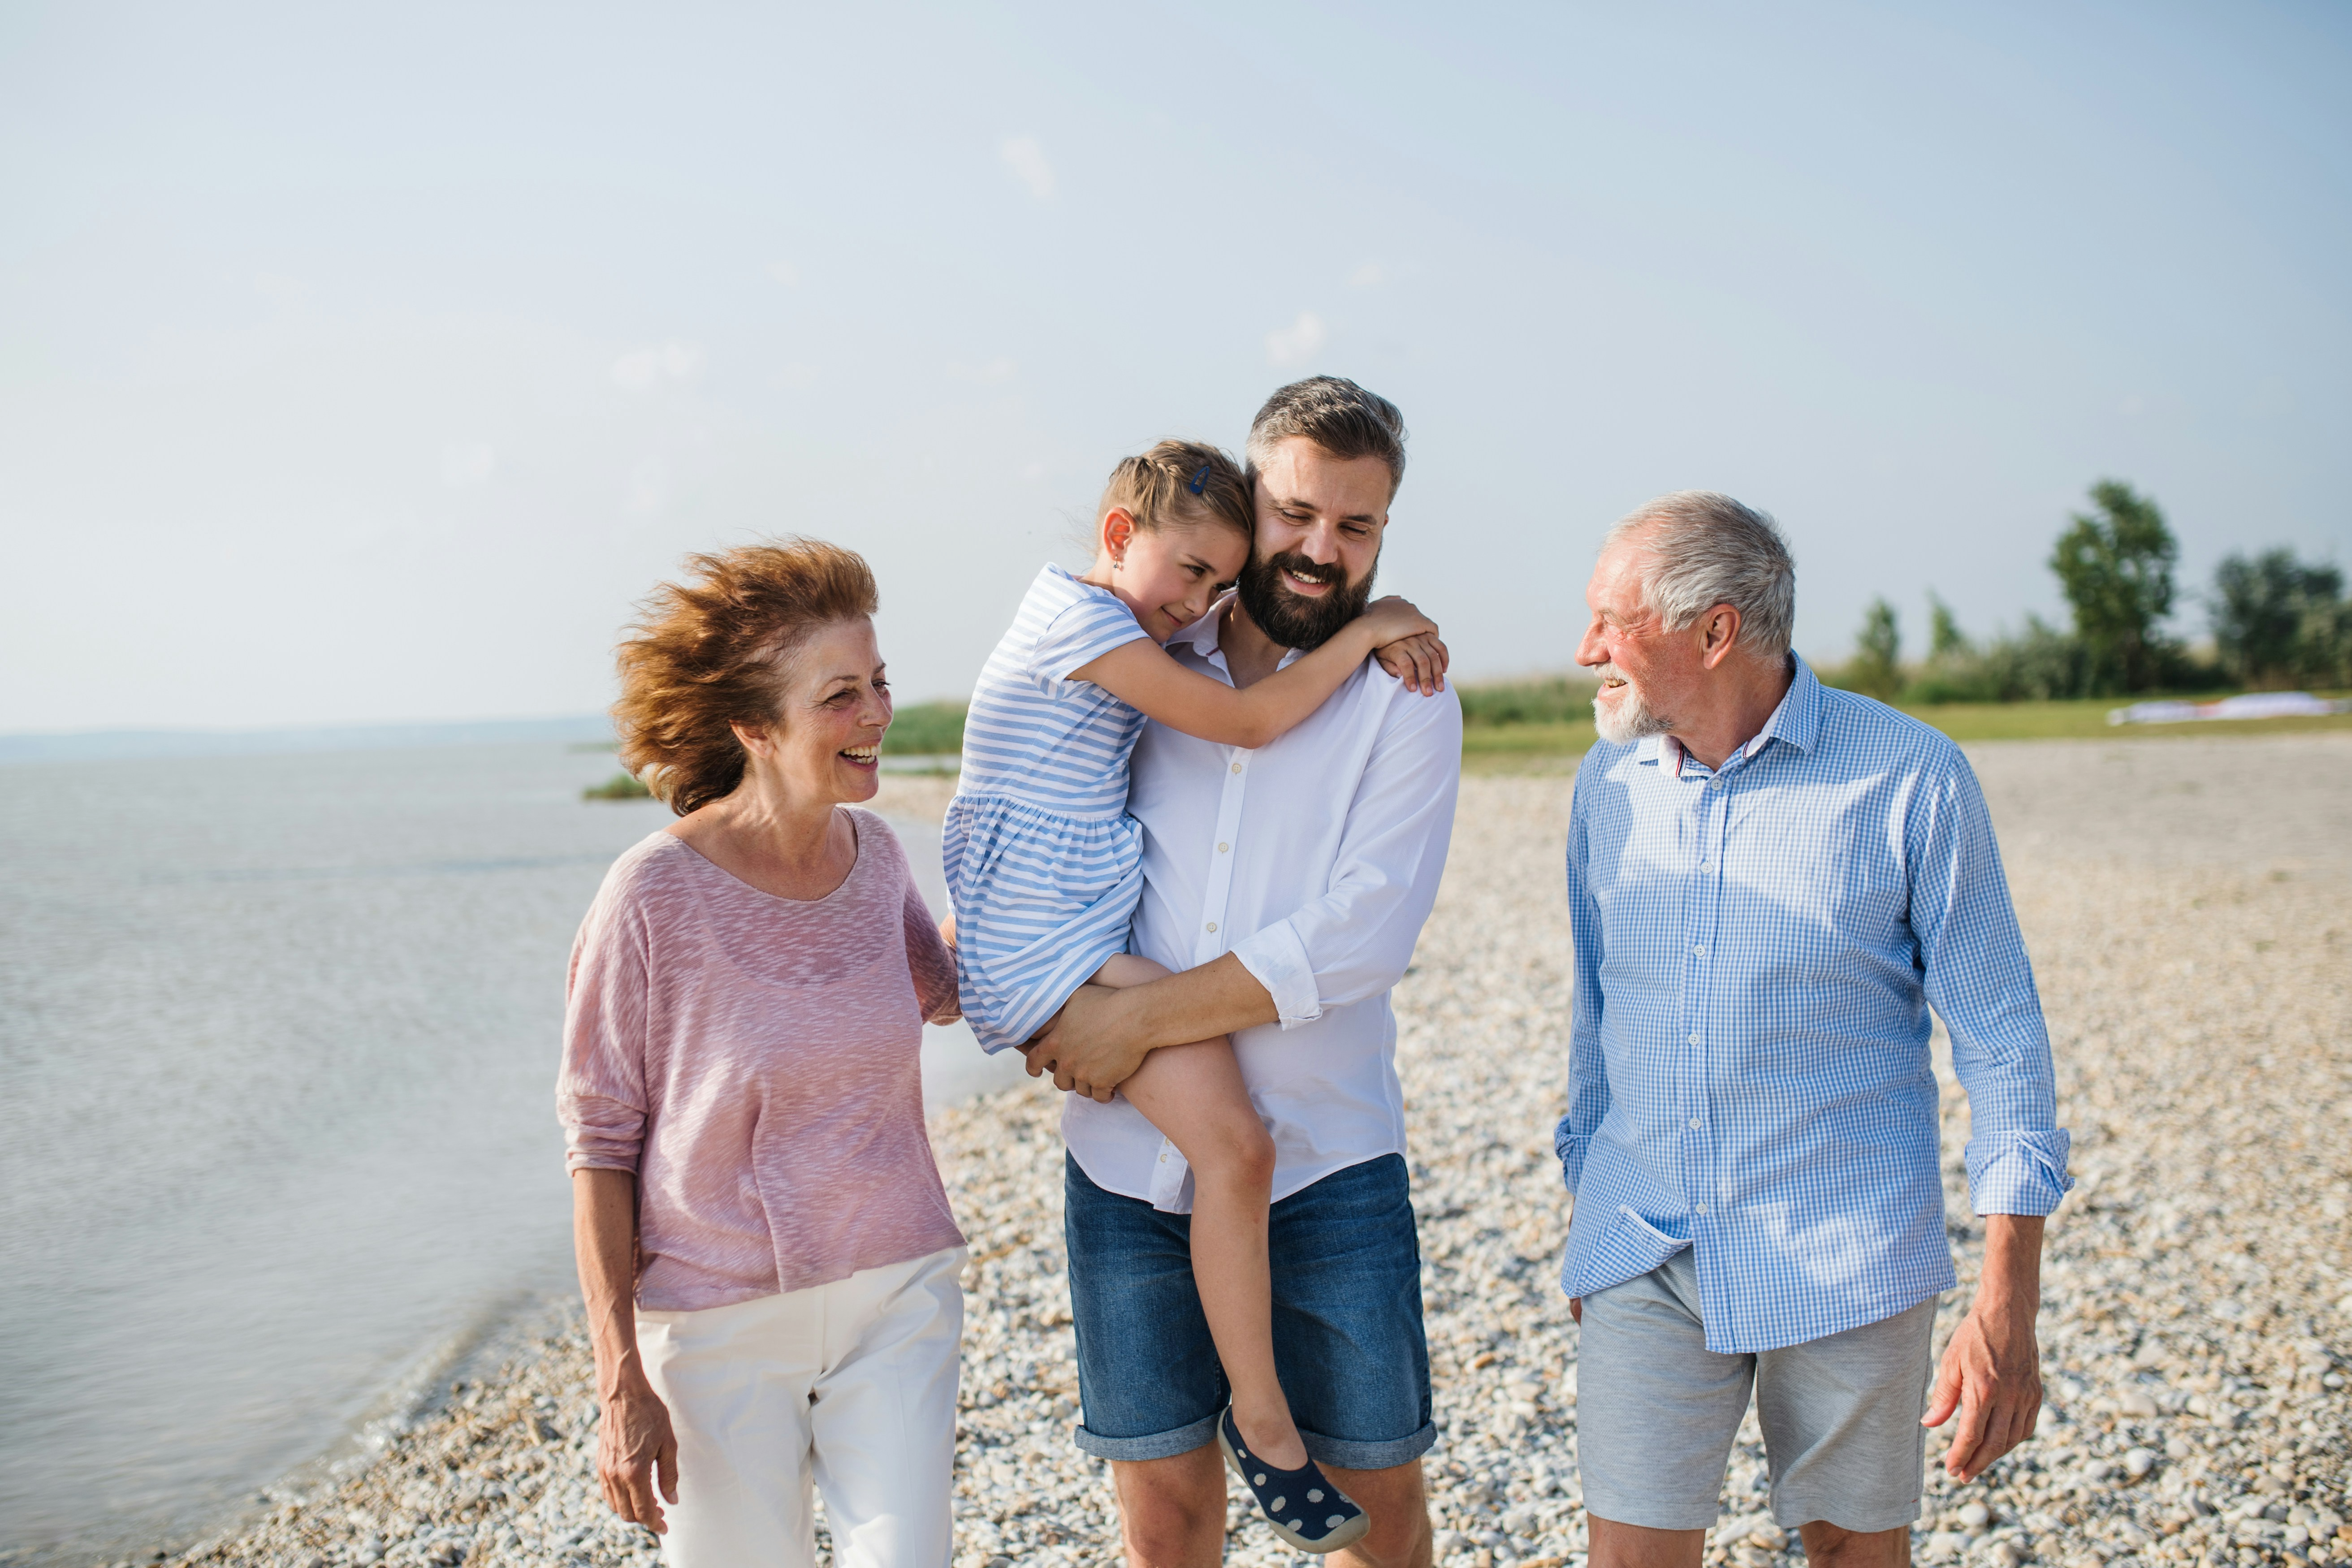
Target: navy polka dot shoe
<point>1305,1508</point>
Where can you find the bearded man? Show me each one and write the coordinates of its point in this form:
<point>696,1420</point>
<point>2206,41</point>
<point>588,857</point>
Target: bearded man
<point>1287,884</point>
<point>1769,885</point>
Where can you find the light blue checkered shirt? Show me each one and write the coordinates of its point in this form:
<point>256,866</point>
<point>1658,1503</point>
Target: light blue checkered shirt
<point>1757,950</point>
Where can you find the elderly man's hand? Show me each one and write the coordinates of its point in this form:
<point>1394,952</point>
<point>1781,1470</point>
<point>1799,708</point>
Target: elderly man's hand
<point>1085,1045</point>
<point>1992,1374</point>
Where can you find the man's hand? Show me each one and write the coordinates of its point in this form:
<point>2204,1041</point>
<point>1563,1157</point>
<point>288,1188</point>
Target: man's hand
<point>1086,1045</point>
<point>1992,1372</point>
<point>633,1443</point>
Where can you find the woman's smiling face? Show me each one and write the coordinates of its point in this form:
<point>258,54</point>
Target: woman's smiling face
<point>1169,575</point>
<point>827,737</point>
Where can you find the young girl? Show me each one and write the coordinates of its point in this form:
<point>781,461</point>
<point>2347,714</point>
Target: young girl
<point>1045,867</point>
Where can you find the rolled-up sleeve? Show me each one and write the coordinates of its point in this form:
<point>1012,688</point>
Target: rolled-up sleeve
<point>1981,982</point>
<point>1355,941</point>
<point>600,1091</point>
<point>1588,1069</point>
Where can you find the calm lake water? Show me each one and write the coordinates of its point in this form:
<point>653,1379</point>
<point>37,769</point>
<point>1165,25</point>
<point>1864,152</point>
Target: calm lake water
<point>277,1042</point>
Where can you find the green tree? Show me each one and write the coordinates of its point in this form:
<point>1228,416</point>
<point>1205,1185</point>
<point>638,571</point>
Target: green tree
<point>1946,641</point>
<point>1877,654</point>
<point>2271,616</point>
<point>2116,569</point>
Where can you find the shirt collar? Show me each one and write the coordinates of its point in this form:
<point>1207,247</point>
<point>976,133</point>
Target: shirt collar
<point>1797,719</point>
<point>1204,637</point>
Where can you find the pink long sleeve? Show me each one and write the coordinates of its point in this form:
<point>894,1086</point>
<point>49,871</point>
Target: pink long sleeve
<point>757,1062</point>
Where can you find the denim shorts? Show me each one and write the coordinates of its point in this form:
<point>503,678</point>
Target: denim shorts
<point>1657,1412</point>
<point>1348,1339</point>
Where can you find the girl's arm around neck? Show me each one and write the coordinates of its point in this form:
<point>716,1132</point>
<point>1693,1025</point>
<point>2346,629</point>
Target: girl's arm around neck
<point>1145,676</point>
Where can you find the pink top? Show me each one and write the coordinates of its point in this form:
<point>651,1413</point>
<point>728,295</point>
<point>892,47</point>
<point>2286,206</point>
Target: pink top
<point>756,1061</point>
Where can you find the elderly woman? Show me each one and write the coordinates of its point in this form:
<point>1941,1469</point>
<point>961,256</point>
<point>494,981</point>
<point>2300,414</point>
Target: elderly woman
<point>769,1262</point>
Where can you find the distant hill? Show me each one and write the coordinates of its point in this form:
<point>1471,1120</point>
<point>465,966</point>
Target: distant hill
<point>97,745</point>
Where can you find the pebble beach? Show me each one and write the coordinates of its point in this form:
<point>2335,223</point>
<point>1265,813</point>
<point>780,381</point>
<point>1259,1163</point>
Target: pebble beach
<point>2188,905</point>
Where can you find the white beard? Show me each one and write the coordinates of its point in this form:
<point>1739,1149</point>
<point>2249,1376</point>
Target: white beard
<point>1631,720</point>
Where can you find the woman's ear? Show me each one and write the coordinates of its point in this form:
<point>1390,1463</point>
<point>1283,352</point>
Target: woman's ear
<point>1118,531</point>
<point>760,742</point>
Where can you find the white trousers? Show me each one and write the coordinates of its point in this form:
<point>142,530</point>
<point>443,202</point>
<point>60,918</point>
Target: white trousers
<point>850,1385</point>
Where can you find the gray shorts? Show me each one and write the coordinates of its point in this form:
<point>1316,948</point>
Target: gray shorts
<point>1657,1412</point>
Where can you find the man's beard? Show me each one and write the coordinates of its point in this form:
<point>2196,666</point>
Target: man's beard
<point>1631,720</point>
<point>1292,620</point>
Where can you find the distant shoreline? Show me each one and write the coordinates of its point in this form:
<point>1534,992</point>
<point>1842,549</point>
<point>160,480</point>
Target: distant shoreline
<point>129,745</point>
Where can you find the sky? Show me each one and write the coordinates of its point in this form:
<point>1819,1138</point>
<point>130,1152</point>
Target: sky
<point>368,362</point>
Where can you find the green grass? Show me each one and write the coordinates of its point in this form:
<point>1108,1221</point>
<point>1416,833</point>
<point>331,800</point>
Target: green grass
<point>620,786</point>
<point>1494,742</point>
<point>925,730</point>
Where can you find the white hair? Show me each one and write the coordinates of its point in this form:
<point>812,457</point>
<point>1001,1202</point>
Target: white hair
<point>1702,549</point>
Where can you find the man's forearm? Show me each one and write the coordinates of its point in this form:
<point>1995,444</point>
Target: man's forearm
<point>1217,998</point>
<point>2012,1259</point>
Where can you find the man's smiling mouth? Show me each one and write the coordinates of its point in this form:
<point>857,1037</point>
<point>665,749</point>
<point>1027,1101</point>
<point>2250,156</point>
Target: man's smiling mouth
<point>1304,587</point>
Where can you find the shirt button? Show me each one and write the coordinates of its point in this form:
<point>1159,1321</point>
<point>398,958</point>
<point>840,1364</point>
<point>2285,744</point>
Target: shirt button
<point>1693,1123</point>
<point>1213,925</point>
<point>1223,847</point>
<point>1699,951</point>
<point>1237,767</point>
<point>1694,1038</point>
<point>1701,1209</point>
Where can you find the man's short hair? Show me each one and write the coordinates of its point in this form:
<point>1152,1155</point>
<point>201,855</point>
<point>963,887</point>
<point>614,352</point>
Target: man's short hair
<point>1335,414</point>
<point>1705,549</point>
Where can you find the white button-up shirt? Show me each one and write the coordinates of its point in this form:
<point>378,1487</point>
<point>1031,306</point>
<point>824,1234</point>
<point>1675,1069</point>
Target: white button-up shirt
<point>1313,859</point>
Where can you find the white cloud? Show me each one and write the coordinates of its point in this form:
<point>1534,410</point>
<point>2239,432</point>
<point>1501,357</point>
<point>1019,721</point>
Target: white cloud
<point>1296,343</point>
<point>795,373</point>
<point>1371,275</point>
<point>994,372</point>
<point>1027,159</point>
<point>785,273</point>
<point>464,464</point>
<point>642,369</point>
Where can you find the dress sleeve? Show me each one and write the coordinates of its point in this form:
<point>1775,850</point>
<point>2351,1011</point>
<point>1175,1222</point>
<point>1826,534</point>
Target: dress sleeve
<point>600,1091</point>
<point>928,962</point>
<point>1088,628</point>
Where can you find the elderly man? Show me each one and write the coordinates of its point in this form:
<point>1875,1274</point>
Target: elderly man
<point>1289,884</point>
<point>1769,885</point>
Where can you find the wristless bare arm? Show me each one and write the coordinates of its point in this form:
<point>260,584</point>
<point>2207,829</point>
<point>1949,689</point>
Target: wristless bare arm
<point>634,1437</point>
<point>1101,1035</point>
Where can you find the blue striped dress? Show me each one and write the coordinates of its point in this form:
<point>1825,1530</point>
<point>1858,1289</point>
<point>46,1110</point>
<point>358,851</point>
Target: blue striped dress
<point>1043,862</point>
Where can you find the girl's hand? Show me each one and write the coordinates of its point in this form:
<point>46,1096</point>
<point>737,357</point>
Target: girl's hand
<point>1418,662</point>
<point>1392,619</point>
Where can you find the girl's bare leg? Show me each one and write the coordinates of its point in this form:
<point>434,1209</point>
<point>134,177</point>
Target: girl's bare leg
<point>1195,1096</point>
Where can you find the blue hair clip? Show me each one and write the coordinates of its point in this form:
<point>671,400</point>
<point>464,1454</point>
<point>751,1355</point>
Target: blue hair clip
<point>1200,480</point>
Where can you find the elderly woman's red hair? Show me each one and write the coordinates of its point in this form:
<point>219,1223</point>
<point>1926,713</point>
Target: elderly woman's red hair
<point>709,653</point>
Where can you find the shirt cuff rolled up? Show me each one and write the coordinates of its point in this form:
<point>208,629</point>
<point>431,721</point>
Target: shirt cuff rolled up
<point>1570,1148</point>
<point>601,1134</point>
<point>2019,1172</point>
<point>1277,960</point>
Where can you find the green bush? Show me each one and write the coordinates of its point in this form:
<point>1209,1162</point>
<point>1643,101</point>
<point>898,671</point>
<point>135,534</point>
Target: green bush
<point>1558,700</point>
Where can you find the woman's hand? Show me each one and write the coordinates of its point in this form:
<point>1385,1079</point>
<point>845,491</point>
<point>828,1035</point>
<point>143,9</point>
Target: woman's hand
<point>635,1448</point>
